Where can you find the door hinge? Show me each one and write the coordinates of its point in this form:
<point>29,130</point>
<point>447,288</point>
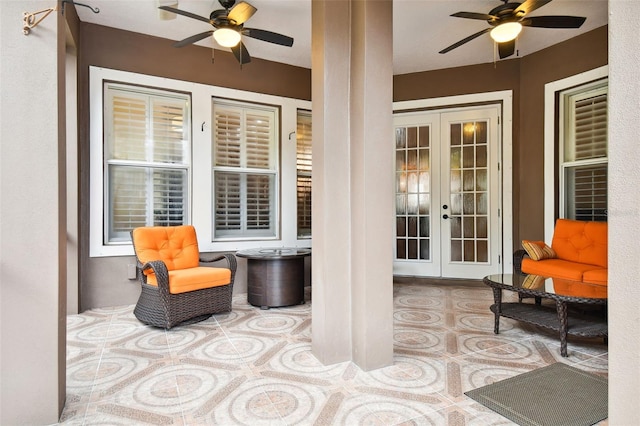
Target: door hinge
<point>499,260</point>
<point>498,212</point>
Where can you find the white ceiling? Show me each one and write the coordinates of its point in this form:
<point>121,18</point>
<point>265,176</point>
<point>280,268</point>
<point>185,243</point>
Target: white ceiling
<point>421,28</point>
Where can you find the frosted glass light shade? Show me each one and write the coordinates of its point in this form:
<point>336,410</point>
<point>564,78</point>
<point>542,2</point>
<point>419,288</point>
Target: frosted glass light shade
<point>226,37</point>
<point>506,32</point>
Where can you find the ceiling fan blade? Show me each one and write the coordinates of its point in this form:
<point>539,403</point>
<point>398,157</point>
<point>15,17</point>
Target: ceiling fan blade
<point>465,40</point>
<point>241,12</point>
<point>187,14</point>
<point>473,15</point>
<point>529,6</point>
<point>241,53</point>
<point>269,36</point>
<point>506,48</point>
<point>193,39</point>
<point>554,21</point>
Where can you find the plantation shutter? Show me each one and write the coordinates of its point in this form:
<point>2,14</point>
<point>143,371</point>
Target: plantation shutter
<point>303,167</point>
<point>245,171</point>
<point>147,154</point>
<point>591,127</point>
<point>585,168</point>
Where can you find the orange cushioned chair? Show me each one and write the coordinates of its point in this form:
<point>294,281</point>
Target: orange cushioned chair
<point>175,288</point>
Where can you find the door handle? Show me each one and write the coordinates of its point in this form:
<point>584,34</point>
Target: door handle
<point>445,216</point>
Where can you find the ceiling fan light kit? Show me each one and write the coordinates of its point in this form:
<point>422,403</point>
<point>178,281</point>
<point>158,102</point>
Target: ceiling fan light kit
<point>228,28</point>
<point>506,32</point>
<point>506,22</point>
<point>226,37</point>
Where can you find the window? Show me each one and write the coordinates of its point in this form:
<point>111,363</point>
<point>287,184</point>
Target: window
<point>171,152</point>
<point>303,173</point>
<point>147,155</point>
<point>583,153</point>
<point>245,171</point>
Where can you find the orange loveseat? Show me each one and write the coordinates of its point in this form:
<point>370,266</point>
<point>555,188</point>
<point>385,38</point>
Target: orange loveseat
<point>578,252</point>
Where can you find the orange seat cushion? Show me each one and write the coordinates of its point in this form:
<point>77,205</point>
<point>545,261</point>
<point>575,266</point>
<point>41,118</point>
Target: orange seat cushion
<point>556,268</point>
<point>581,241</point>
<point>176,246</point>
<point>596,276</point>
<point>184,280</point>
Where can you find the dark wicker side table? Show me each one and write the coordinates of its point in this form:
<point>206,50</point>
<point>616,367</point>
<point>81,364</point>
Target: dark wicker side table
<point>569,296</point>
<point>275,276</point>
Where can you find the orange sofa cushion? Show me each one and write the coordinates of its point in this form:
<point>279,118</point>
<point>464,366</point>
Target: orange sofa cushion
<point>556,268</point>
<point>185,280</point>
<point>577,289</point>
<point>596,276</point>
<point>581,242</point>
<point>176,246</point>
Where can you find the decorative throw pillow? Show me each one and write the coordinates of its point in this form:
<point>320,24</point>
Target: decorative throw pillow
<point>533,281</point>
<point>538,250</point>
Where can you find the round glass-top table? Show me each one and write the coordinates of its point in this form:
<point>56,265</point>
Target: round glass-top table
<point>565,293</point>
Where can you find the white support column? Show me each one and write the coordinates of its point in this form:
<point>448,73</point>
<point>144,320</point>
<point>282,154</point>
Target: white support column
<point>32,217</point>
<point>352,81</point>
<point>624,213</point>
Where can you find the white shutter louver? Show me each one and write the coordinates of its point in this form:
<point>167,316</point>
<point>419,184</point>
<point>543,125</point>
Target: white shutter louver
<point>227,137</point>
<point>591,128</point>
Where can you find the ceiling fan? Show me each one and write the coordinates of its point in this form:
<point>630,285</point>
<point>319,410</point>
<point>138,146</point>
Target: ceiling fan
<point>506,22</point>
<point>228,24</point>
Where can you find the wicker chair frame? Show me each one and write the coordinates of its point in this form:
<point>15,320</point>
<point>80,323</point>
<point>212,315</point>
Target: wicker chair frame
<point>158,307</point>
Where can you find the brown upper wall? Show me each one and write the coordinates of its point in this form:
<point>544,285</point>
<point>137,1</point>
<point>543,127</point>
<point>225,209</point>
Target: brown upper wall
<point>127,51</point>
<point>504,75</point>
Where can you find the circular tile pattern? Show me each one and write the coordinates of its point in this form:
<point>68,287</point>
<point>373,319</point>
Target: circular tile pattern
<point>416,316</point>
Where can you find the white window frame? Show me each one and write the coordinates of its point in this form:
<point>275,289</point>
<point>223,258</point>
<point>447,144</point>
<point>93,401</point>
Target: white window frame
<point>302,174</point>
<point>568,98</point>
<point>273,171</point>
<point>148,162</point>
<point>201,201</point>
<point>550,154</point>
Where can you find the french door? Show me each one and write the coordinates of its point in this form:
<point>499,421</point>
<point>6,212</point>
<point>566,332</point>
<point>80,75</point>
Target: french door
<point>448,221</point>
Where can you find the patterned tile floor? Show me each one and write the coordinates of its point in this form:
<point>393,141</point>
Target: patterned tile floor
<point>254,367</point>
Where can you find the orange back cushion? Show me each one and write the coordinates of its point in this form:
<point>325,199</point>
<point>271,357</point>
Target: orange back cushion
<point>176,246</point>
<point>581,241</point>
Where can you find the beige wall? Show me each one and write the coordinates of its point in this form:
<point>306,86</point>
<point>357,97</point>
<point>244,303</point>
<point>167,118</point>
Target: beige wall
<point>624,213</point>
<point>33,217</point>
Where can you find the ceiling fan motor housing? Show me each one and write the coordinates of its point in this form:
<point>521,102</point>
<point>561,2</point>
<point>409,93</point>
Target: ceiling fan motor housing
<point>505,13</point>
<point>227,4</point>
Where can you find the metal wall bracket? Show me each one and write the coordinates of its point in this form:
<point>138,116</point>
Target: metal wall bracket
<point>31,20</point>
<point>93,9</point>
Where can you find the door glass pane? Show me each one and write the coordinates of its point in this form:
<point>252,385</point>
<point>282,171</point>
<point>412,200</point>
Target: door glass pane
<point>401,226</point>
<point>469,192</point>
<point>413,192</point>
<point>413,249</point>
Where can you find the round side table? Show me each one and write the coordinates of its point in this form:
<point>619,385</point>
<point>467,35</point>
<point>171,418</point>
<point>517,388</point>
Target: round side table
<point>275,276</point>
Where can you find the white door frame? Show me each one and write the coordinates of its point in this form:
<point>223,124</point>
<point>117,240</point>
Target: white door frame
<point>505,97</point>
